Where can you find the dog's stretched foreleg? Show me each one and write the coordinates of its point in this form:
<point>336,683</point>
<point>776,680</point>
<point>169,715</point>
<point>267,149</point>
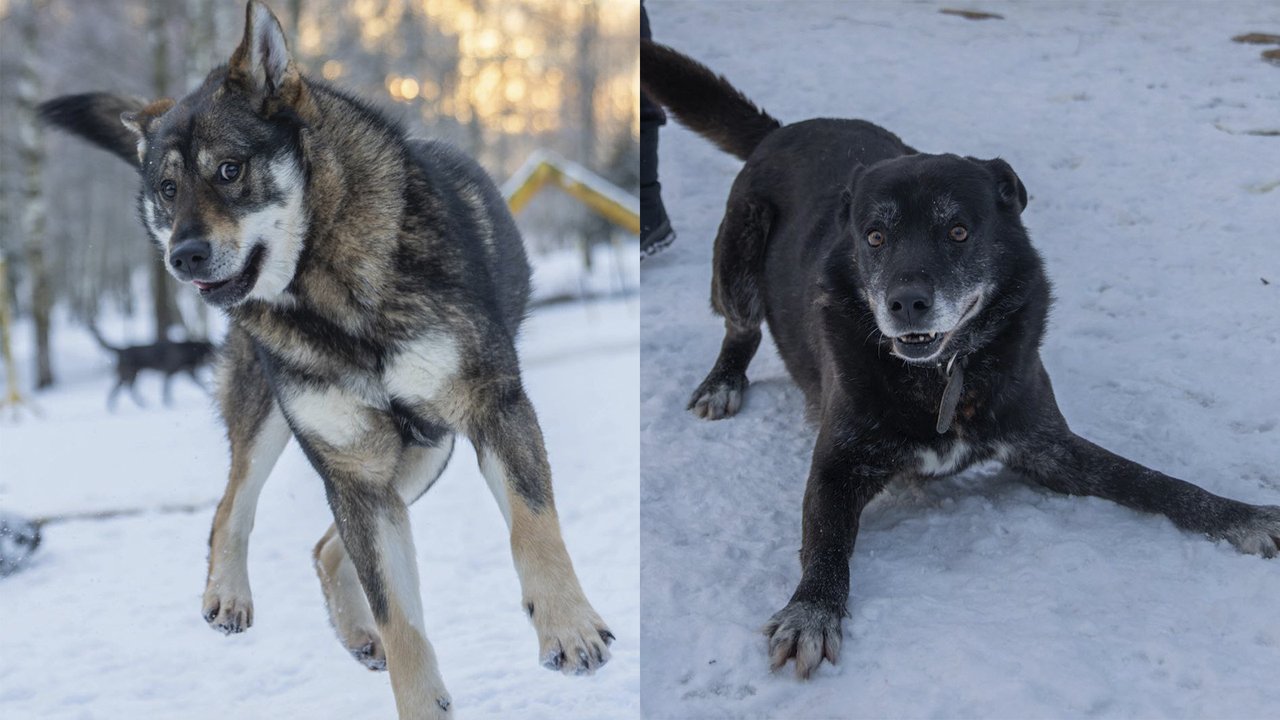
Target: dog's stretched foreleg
<point>348,607</point>
<point>735,295</point>
<point>571,636</point>
<point>1067,463</point>
<point>258,433</point>
<point>842,480</point>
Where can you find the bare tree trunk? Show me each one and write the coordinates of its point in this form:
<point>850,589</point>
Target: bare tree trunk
<point>295,19</point>
<point>201,36</point>
<point>33,212</point>
<point>587,74</point>
<point>201,32</point>
<point>163,289</point>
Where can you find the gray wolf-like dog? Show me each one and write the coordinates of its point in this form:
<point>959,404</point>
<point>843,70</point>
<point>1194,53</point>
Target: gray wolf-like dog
<point>375,285</point>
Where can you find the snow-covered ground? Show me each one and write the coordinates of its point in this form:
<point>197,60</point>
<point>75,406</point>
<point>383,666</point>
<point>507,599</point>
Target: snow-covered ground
<point>1157,213</point>
<point>105,623</point>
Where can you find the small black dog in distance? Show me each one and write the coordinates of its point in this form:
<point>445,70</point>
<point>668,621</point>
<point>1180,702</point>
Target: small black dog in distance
<point>169,358</point>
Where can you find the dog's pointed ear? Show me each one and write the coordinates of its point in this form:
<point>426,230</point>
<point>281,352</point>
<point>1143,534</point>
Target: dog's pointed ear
<point>100,119</point>
<point>140,122</point>
<point>1009,187</point>
<point>262,66</point>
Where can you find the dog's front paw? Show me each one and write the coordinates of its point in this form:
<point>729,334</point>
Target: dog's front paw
<point>719,396</point>
<point>228,611</point>
<point>1260,534</point>
<point>572,639</point>
<point>805,631</point>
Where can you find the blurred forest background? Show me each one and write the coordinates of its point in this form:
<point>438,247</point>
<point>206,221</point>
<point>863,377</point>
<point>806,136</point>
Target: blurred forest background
<point>499,78</point>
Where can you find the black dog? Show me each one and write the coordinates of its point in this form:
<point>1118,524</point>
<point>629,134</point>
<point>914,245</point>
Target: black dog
<point>907,302</point>
<point>167,357</point>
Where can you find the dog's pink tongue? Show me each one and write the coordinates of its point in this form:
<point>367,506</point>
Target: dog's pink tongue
<point>204,285</point>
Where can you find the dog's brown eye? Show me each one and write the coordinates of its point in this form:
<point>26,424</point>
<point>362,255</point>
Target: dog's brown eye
<point>169,189</point>
<point>959,233</point>
<point>228,171</point>
<point>875,238</point>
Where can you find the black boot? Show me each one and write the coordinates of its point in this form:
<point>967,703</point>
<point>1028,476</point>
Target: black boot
<point>655,229</point>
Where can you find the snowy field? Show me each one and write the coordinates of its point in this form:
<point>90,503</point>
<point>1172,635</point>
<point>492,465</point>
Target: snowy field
<point>105,623</point>
<point>1140,131</point>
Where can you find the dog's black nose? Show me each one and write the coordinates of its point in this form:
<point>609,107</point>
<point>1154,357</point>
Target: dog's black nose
<point>190,257</point>
<point>910,302</point>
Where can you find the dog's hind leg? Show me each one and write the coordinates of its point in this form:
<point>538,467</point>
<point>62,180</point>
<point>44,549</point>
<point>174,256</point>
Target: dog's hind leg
<point>133,393</point>
<point>1067,463</point>
<point>358,448</point>
<point>195,378</point>
<point>735,295</point>
<point>571,636</point>
<point>373,522</point>
<point>258,433</point>
<point>111,396</point>
<point>348,607</point>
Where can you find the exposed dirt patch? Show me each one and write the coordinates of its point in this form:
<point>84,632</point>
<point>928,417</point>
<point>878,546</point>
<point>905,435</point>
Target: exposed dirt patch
<point>971,14</point>
<point>1272,56</point>
<point>1258,39</point>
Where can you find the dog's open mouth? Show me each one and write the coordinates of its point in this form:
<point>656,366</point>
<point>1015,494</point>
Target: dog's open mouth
<point>232,290</point>
<point>918,346</point>
<point>925,347</point>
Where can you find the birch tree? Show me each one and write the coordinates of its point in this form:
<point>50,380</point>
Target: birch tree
<point>163,288</point>
<point>34,215</point>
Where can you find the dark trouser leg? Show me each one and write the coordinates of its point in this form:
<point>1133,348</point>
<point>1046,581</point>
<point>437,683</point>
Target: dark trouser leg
<point>655,228</point>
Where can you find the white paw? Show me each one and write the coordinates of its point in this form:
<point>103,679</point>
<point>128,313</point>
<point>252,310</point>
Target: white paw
<point>718,397</point>
<point>1260,535</point>
<point>228,607</point>
<point>804,631</point>
<point>573,639</point>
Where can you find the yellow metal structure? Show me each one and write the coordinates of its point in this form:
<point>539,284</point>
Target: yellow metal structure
<point>603,197</point>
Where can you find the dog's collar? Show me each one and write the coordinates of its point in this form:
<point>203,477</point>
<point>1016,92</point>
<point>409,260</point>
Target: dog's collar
<point>954,372</point>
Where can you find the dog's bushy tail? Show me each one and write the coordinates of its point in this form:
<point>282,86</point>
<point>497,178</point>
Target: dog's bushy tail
<point>93,330</point>
<point>703,101</point>
<point>96,118</point>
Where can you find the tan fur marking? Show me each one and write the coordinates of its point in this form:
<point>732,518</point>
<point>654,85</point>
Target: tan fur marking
<point>227,602</point>
<point>344,597</point>
<point>540,556</point>
<point>563,618</point>
<point>415,673</point>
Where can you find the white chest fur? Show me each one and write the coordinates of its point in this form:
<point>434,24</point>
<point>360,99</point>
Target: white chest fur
<point>948,461</point>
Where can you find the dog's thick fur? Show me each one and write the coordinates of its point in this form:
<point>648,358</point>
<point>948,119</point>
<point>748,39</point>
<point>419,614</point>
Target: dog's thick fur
<point>375,286</point>
<point>888,276</point>
<point>169,358</point>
